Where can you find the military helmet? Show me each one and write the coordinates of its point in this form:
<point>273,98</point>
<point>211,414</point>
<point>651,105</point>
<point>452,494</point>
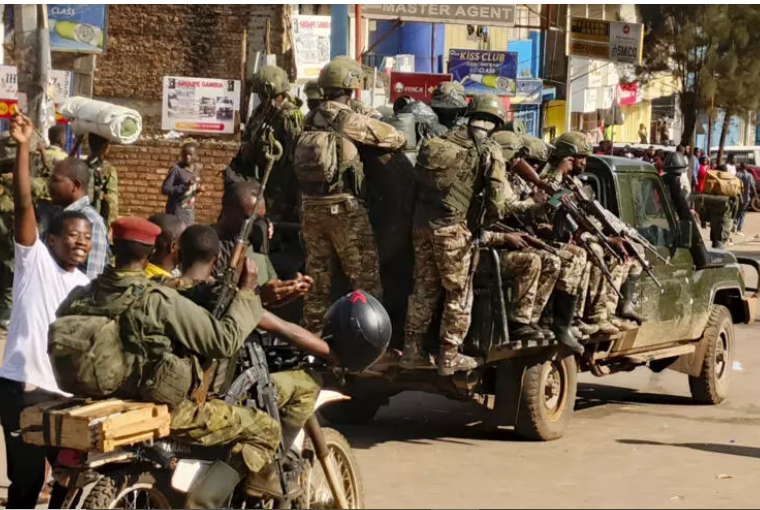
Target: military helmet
<point>535,148</point>
<point>572,143</point>
<point>358,329</point>
<point>516,126</point>
<point>312,90</point>
<point>341,73</point>
<point>487,104</point>
<point>675,162</point>
<point>509,142</point>
<point>271,81</point>
<point>449,94</point>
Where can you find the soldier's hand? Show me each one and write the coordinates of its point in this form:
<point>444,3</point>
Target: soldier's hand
<point>22,129</point>
<point>514,241</point>
<point>539,196</point>
<point>566,166</point>
<point>619,244</point>
<point>250,276</point>
<point>277,290</point>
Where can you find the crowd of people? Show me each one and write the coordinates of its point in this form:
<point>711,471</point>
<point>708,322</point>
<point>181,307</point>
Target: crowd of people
<point>476,181</point>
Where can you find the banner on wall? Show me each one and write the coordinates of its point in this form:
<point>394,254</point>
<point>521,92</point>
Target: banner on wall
<point>418,86</point>
<point>484,72</point>
<point>311,36</point>
<point>529,92</point>
<point>199,105</point>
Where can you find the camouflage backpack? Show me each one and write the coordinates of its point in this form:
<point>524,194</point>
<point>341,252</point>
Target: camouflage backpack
<point>97,350</point>
<point>323,156</point>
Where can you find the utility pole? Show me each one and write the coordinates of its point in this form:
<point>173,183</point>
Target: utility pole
<point>32,55</point>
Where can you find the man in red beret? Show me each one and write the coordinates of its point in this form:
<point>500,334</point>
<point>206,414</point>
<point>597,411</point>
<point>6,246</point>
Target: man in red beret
<point>175,334</point>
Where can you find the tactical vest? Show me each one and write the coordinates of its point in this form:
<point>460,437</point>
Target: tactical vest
<point>98,349</point>
<point>326,161</point>
<point>448,174</point>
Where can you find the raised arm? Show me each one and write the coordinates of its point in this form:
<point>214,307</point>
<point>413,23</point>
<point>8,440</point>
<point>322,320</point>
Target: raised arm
<point>25,222</point>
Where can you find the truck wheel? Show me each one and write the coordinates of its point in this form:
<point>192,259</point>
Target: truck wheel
<point>711,386</point>
<point>547,396</point>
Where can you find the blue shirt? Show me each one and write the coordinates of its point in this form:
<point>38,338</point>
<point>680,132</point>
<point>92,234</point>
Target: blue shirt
<point>99,254</point>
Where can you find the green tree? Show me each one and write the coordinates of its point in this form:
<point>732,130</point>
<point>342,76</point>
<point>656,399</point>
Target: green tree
<point>736,88</point>
<point>684,40</point>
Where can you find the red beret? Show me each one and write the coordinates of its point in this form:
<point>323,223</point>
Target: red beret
<point>135,229</point>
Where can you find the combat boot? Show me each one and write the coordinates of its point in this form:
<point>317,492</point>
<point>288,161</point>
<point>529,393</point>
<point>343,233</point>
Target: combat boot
<point>605,326</point>
<point>623,324</point>
<point>519,331</point>
<point>267,482</point>
<point>585,328</point>
<point>564,308</point>
<point>626,307</point>
<point>414,356</point>
<point>450,361</point>
<point>545,331</point>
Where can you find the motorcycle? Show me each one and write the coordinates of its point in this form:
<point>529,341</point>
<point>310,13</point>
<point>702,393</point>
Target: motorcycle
<point>161,474</point>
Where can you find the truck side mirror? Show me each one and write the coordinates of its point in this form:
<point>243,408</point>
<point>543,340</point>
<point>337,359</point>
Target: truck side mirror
<point>685,231</point>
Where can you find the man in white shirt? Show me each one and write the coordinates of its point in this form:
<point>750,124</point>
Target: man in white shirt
<point>44,277</point>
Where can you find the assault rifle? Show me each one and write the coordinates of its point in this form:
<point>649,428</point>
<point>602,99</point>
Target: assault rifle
<point>572,211</point>
<point>592,255</point>
<point>618,229</point>
<point>529,239</point>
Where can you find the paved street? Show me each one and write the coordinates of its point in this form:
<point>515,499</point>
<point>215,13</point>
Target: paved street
<point>635,441</point>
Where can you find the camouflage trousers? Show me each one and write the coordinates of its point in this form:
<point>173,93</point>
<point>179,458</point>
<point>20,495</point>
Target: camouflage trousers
<point>525,267</point>
<point>600,298</point>
<point>254,433</point>
<point>441,258</point>
<point>721,217</point>
<point>337,232</point>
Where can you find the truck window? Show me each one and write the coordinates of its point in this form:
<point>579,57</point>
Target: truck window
<point>650,214</point>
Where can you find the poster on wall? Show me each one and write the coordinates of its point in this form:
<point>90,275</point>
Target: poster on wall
<point>199,105</point>
<point>484,72</point>
<point>60,81</point>
<point>311,36</point>
<point>80,28</point>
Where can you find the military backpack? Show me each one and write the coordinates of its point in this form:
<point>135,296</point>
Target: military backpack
<point>722,184</point>
<point>98,350</point>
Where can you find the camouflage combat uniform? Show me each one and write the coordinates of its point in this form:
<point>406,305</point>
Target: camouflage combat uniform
<point>169,324</point>
<point>334,220</point>
<point>104,189</point>
<point>449,174</point>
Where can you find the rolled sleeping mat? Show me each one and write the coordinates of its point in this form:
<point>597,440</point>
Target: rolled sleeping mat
<point>116,123</point>
<point>516,126</point>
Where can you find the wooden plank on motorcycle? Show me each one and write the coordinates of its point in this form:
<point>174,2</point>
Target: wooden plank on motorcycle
<point>100,426</point>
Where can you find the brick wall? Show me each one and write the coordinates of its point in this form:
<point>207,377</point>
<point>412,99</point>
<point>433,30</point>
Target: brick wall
<point>143,166</point>
<point>148,42</point>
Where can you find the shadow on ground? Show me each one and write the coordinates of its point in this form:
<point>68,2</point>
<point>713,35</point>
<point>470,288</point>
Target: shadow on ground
<point>420,418</point>
<point>726,449</point>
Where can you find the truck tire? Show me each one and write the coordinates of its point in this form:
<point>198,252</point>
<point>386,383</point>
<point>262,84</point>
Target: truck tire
<point>547,396</point>
<point>711,386</point>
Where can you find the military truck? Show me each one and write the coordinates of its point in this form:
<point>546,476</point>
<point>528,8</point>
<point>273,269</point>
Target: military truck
<point>532,385</point>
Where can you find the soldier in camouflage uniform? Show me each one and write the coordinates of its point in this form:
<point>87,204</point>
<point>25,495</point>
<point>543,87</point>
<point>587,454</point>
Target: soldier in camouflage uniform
<point>334,221</point>
<point>560,273</point>
<point>451,171</point>
<point>104,182</point>
<point>449,103</point>
<point>282,114</point>
<point>313,94</point>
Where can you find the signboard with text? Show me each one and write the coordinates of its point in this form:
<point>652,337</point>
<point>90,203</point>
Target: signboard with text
<point>484,71</point>
<point>199,105</point>
<point>311,36</point>
<point>493,15</point>
<point>61,81</point>
<point>79,28</point>
<point>616,41</point>
<point>418,86</point>
<point>530,91</point>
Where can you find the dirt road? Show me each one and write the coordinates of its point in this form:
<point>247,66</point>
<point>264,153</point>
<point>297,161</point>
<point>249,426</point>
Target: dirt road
<point>635,441</point>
